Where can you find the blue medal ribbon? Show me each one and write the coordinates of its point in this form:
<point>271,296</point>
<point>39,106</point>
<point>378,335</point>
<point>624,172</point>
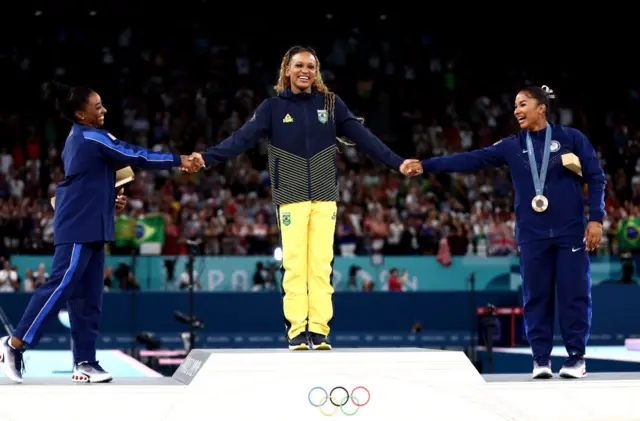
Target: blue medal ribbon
<point>538,180</point>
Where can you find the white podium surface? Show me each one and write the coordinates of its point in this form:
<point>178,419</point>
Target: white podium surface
<point>369,384</point>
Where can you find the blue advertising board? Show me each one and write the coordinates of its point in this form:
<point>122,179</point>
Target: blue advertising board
<point>425,273</point>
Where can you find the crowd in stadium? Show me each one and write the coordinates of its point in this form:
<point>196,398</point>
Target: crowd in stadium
<point>420,106</point>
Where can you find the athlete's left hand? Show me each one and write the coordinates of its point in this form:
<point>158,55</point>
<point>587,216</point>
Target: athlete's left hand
<point>411,167</point>
<point>192,163</point>
<point>593,235</point>
<point>121,202</point>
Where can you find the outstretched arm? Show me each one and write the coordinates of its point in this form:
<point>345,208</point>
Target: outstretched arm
<point>489,157</point>
<point>116,152</point>
<point>348,125</point>
<point>243,139</point>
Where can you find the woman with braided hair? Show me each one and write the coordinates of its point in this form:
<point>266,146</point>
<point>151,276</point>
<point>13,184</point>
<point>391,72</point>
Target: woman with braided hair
<point>302,123</point>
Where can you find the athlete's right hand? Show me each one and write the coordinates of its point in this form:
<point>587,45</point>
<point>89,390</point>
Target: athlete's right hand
<point>121,202</point>
<point>411,167</point>
<point>593,235</point>
<point>192,163</point>
<point>197,157</point>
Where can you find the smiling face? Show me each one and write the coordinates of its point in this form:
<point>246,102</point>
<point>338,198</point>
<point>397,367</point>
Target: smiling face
<point>302,71</point>
<point>530,113</point>
<point>93,112</point>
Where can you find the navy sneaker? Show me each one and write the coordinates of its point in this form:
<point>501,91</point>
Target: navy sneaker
<point>319,342</point>
<point>542,368</point>
<point>299,343</point>
<point>11,360</point>
<point>575,367</point>
<point>90,372</point>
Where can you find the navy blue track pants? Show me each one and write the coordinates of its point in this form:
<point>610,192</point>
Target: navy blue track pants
<point>549,268</point>
<point>77,281</point>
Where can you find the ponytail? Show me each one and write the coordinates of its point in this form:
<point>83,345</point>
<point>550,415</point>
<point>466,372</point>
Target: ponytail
<point>551,100</point>
<point>56,90</point>
<point>549,92</point>
<point>67,99</point>
<point>544,95</point>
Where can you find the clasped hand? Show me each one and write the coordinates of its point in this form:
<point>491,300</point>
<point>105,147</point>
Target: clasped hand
<point>411,167</point>
<point>192,163</point>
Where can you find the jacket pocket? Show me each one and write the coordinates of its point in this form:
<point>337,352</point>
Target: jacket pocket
<point>276,175</point>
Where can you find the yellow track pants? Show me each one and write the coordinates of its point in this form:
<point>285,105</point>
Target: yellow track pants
<point>307,230</point>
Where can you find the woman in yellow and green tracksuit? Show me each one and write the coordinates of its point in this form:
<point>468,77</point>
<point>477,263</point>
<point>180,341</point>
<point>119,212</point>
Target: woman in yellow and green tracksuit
<point>302,123</point>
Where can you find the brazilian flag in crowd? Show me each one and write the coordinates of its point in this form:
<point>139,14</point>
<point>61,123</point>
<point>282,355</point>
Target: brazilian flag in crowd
<point>145,229</point>
<point>629,234</point>
<point>125,231</point>
<point>150,229</point>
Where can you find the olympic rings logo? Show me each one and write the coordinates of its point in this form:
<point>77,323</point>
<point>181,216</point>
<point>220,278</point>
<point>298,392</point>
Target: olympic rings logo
<point>340,400</point>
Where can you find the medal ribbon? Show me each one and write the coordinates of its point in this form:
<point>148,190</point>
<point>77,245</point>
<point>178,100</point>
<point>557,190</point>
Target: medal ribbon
<point>538,180</point>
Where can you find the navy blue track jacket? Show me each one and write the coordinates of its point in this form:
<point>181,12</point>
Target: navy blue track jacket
<point>85,200</point>
<point>302,144</point>
<point>565,215</point>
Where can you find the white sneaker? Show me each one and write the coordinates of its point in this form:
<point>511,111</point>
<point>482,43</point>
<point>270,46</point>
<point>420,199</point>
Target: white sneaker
<point>574,368</point>
<point>86,372</point>
<point>11,360</point>
<point>542,369</point>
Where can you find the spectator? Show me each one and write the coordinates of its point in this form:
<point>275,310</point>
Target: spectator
<point>396,283</point>
<point>9,280</point>
<point>228,208</point>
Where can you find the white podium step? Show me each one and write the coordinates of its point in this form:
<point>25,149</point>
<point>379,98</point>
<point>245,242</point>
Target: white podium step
<point>426,366</point>
<point>414,384</point>
<point>372,384</point>
<point>408,384</point>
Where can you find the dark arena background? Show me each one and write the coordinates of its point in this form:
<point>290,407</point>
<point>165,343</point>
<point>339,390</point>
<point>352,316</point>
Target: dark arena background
<point>428,294</point>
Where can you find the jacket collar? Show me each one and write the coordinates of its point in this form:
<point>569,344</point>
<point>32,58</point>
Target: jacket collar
<point>539,132</point>
<point>288,93</point>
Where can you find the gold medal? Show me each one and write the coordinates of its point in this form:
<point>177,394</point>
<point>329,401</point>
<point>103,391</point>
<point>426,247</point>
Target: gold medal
<point>540,203</point>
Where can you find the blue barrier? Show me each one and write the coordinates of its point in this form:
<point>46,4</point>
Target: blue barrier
<point>255,319</point>
<point>361,319</point>
<point>262,312</point>
<point>225,274</point>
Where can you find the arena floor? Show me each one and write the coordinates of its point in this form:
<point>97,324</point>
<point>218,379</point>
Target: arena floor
<point>613,353</point>
<point>58,365</point>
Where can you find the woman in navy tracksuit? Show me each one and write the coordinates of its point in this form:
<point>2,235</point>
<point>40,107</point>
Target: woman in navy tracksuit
<point>84,217</point>
<point>554,237</point>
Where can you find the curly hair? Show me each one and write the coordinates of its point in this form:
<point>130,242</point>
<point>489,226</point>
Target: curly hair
<point>284,82</point>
